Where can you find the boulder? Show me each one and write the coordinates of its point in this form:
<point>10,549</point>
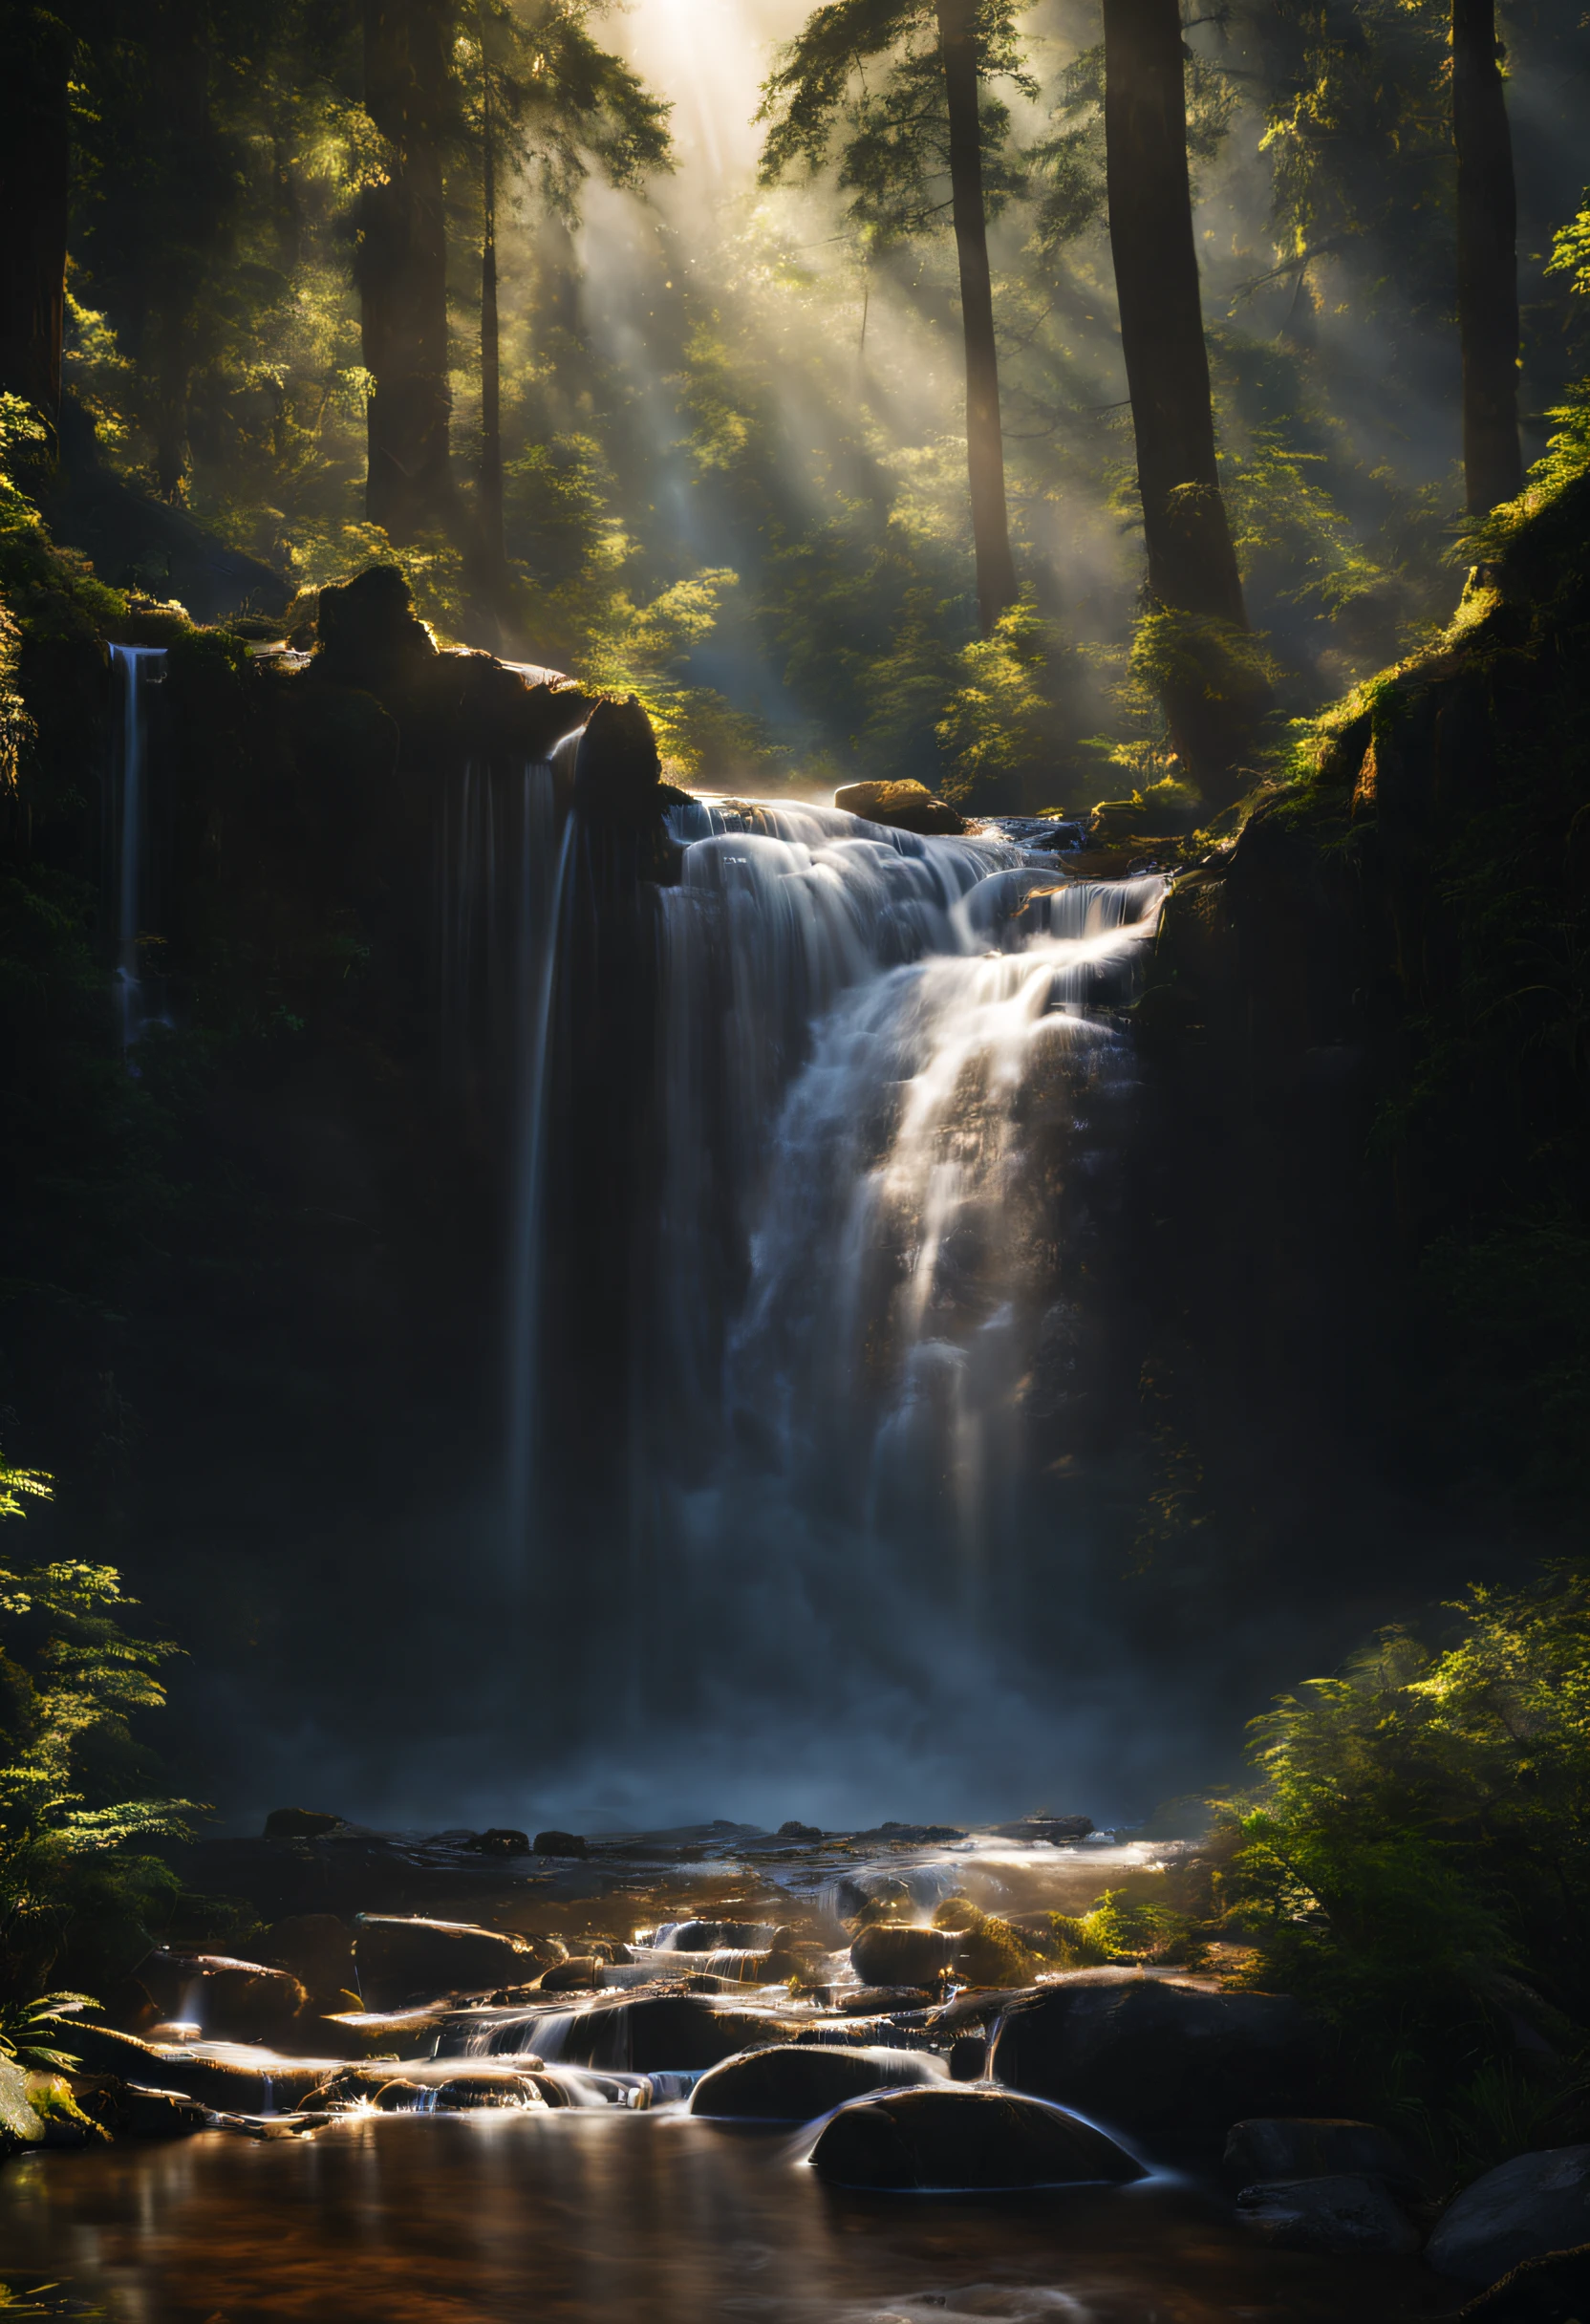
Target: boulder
<point>369,635</point>
<point>888,1954</point>
<point>618,769</point>
<point>1165,2061</point>
<point>722,1936</point>
<point>400,1958</point>
<point>1344,2213</point>
<point>808,1833</point>
<point>790,2084</point>
<point>300,1823</point>
<point>902,807</point>
<point>947,2139</point>
<point>1056,1829</point>
<point>1522,2211</point>
<point>558,1843</point>
<point>500,1841</point>
<point>968,2057</point>
<point>228,2000</point>
<point>1304,2147</point>
<point>666,2032</point>
<point>1552,2290</point>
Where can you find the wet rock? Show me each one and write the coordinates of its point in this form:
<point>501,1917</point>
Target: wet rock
<point>500,1841</point>
<point>1525,2208</point>
<point>903,807</point>
<point>471,2090</point>
<point>1346,2214</point>
<point>558,1843</point>
<point>868,2000</point>
<point>399,1958</point>
<point>725,1936</point>
<point>1056,1829</point>
<point>378,2033</point>
<point>300,1823</point>
<point>230,2000</point>
<point>891,1955</point>
<point>795,2084</point>
<point>581,1974</point>
<point>397,2096</point>
<point>950,2138</point>
<point>128,2110</point>
<point>236,2085</point>
<point>100,2050</point>
<point>1166,2062</point>
<point>667,2032</point>
<point>317,1949</point>
<point>808,1833</point>
<point>1304,2146</point>
<point>1552,2290</point>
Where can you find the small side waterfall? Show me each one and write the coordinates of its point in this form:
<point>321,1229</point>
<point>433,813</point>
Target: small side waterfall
<point>137,669</point>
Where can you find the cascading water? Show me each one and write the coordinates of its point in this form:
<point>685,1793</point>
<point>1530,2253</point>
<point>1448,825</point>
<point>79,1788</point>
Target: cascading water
<point>888,1076</point>
<point>504,859</point>
<point>137,668</point>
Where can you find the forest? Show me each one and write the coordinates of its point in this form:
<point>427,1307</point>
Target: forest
<point>794,916</point>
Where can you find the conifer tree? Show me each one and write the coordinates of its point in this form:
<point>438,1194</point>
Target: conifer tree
<point>931,116</point>
<point>1486,261</point>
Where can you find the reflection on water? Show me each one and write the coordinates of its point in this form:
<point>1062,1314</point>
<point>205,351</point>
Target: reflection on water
<point>644,2218</point>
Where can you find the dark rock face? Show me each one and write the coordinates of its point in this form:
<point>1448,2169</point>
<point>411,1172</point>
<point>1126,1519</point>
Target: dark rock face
<point>1344,2213</point>
<point>1532,2206</point>
<point>558,1843</point>
<point>719,1936</point>
<point>944,2139</point>
<point>667,2032</point>
<point>618,767</point>
<point>300,1823</point>
<point>1034,1828</point>
<point>807,1831</point>
<point>793,2084</point>
<point>887,1955</point>
<point>500,1841</point>
<point>1302,2147</point>
<point>581,1973</point>
<point>398,1957</point>
<point>232,2000</point>
<point>902,807</point>
<point>1552,2290</point>
<point>1166,2063</point>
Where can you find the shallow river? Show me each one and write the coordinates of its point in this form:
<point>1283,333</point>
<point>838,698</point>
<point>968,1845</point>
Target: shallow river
<point>648,2217</point>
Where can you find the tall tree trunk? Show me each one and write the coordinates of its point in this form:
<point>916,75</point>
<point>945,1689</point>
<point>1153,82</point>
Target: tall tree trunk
<point>402,271</point>
<point>985,452</point>
<point>493,546</point>
<point>34,173</point>
<point>1486,261</point>
<point>1191,563</point>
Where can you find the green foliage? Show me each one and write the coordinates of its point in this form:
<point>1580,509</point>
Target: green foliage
<point>71,1679</point>
<point>1416,1864</point>
<point>1571,251</point>
<point>992,1952</point>
<point>27,2030</point>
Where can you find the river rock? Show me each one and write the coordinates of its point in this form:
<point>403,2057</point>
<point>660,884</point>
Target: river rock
<point>300,1823</point>
<point>127,2110</point>
<point>500,1840</point>
<point>724,1936</point>
<point>230,2000</point>
<point>1166,2062</point>
<point>369,634</point>
<point>791,2084</point>
<point>666,2032</point>
<point>401,1959</point>
<point>618,767</point>
<point>1056,1829</point>
<point>582,1974</point>
<point>470,2090</point>
<point>558,1843</point>
<point>1304,2146</point>
<point>891,1956</point>
<point>1534,2205</point>
<point>806,1833</point>
<point>1344,2213</point>
<point>947,2138</point>
<point>1552,2290</point>
<point>903,807</point>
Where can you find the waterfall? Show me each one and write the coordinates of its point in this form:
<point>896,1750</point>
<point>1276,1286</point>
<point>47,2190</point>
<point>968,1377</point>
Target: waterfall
<point>503,854</point>
<point>137,668</point>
